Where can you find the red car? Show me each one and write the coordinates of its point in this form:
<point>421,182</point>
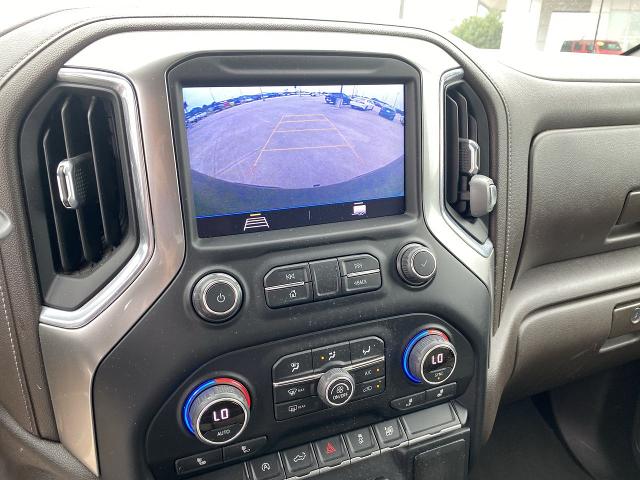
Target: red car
<point>606,47</point>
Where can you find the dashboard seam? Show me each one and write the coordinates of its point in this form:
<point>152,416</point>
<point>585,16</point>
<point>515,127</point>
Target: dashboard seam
<point>15,358</point>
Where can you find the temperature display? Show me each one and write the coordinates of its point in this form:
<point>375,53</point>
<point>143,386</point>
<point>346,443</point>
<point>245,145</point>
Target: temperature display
<point>438,364</point>
<point>222,420</point>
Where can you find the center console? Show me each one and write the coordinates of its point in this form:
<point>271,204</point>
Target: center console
<point>320,322</point>
<point>343,335</point>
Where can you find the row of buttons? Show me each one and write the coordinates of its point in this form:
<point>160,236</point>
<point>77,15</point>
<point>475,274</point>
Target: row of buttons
<point>431,396</point>
<point>287,392</point>
<point>356,445</point>
<point>320,359</point>
<point>322,279</point>
<point>309,404</point>
<point>212,458</point>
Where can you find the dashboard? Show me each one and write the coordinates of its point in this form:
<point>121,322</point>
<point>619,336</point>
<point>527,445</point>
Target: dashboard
<point>276,249</point>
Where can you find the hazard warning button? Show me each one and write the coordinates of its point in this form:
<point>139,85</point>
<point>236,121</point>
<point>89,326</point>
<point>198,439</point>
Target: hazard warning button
<point>331,452</point>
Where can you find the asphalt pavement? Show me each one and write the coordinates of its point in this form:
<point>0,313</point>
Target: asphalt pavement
<point>293,142</point>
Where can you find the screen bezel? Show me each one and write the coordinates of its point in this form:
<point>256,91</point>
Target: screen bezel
<point>275,69</point>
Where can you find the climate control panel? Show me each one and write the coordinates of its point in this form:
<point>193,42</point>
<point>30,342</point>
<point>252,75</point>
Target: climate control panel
<point>276,395</point>
<point>328,376</point>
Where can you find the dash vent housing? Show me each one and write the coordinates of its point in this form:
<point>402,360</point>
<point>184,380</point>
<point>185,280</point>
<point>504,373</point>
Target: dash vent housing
<point>469,192</point>
<point>78,191</point>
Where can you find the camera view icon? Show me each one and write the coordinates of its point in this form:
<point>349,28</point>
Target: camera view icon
<point>255,221</point>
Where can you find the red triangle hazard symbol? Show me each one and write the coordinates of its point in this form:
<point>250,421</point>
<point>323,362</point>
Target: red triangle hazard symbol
<point>330,448</point>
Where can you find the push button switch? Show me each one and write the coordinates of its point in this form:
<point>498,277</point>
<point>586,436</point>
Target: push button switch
<point>361,283</point>
<point>370,372</point>
<point>361,443</point>
<point>292,366</point>
<point>296,408</point>
<point>285,393</point>
<point>440,393</point>
<point>409,402</point>
<point>369,389</point>
<point>358,264</point>
<point>268,467</point>
<point>331,356</point>
<point>390,433</point>
<point>198,462</point>
<point>299,461</point>
<point>287,275</point>
<point>366,348</point>
<point>244,449</point>
<point>331,452</point>
<point>285,296</point>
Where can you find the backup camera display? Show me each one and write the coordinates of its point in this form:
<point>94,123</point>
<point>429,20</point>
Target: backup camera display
<point>267,158</point>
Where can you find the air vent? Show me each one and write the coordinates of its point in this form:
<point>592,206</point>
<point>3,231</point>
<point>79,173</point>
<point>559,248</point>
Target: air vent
<point>78,192</point>
<point>469,191</point>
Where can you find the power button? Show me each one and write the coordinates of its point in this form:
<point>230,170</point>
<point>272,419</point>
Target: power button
<point>217,297</point>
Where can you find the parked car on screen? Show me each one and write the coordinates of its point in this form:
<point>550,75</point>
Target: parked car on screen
<point>361,103</point>
<point>191,119</point>
<point>332,98</point>
<point>387,112</point>
<point>605,47</point>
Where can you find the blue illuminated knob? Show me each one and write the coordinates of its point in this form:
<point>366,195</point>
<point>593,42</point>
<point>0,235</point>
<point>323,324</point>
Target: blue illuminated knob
<point>430,358</point>
<point>219,413</point>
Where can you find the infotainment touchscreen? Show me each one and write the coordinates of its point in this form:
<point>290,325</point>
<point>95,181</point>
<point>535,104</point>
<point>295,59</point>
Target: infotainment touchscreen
<point>267,158</point>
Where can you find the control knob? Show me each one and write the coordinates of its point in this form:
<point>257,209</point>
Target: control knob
<point>217,297</point>
<point>217,412</point>
<point>416,264</point>
<point>430,358</point>
<point>336,387</point>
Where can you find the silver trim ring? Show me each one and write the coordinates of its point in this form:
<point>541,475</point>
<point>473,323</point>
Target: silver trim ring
<point>448,345</point>
<point>206,283</point>
<point>202,438</point>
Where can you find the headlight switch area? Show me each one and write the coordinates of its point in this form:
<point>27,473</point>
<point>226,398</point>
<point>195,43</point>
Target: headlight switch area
<point>347,395</point>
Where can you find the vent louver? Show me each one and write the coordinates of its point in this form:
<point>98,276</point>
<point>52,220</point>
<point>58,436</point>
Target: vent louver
<point>81,216</point>
<point>469,192</point>
<point>82,128</point>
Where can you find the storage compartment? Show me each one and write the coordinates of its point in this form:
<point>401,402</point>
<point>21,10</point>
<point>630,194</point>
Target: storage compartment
<point>579,202</point>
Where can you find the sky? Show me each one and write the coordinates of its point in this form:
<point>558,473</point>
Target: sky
<point>198,96</point>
